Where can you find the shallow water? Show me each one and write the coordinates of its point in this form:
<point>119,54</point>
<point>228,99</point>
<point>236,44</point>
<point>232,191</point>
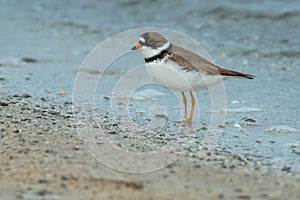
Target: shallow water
<point>257,37</point>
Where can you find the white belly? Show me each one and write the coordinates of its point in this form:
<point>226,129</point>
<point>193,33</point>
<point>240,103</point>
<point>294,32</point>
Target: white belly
<point>172,76</point>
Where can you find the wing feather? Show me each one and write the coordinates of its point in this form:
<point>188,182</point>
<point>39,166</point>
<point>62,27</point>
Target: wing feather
<point>191,61</point>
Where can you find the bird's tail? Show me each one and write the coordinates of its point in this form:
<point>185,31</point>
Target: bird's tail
<point>227,72</point>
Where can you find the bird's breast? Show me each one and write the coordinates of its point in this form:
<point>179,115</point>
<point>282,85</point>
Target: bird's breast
<point>173,76</point>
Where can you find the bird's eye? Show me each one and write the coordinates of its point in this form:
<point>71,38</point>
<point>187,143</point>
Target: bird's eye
<point>150,41</point>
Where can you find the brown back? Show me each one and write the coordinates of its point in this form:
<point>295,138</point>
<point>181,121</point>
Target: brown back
<point>191,61</point>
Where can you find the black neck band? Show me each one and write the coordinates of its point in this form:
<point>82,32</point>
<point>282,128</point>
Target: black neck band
<point>160,56</point>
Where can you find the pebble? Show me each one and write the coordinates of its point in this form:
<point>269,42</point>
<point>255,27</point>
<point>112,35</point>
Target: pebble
<point>248,121</point>
<point>53,112</point>
<point>76,148</point>
<point>243,110</point>
<point>147,94</point>
<point>295,147</point>
<point>2,127</point>
<point>62,93</point>
<point>15,130</point>
<point>25,95</point>
<point>237,126</point>
<point>244,196</point>
<point>3,103</point>
<point>29,60</point>
<point>238,190</point>
<point>281,129</point>
<point>160,116</point>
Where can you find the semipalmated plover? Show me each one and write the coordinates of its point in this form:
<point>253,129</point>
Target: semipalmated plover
<point>180,69</point>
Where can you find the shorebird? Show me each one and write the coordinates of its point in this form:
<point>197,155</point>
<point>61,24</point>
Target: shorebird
<point>180,69</point>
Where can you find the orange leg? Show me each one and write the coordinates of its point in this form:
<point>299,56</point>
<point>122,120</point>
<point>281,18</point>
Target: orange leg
<point>189,121</point>
<point>185,105</point>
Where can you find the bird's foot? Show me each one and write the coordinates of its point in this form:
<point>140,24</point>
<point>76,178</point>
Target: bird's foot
<point>186,122</point>
<point>189,121</point>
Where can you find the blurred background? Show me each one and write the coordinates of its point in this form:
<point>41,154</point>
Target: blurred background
<point>259,37</point>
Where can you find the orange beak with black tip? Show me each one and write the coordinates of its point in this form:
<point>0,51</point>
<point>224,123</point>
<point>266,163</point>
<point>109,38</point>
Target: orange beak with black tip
<point>137,46</point>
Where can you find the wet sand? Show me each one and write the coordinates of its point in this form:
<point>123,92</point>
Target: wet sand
<point>42,156</point>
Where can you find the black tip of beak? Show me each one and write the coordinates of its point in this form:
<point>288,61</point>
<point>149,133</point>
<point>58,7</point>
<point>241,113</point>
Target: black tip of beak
<point>134,48</point>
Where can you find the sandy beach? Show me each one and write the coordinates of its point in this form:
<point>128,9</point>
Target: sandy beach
<point>43,155</point>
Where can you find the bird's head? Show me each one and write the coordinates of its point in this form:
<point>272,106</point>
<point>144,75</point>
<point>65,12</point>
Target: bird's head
<point>151,44</point>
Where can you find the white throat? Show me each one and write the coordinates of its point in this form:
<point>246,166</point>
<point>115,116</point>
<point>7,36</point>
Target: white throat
<point>149,52</point>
